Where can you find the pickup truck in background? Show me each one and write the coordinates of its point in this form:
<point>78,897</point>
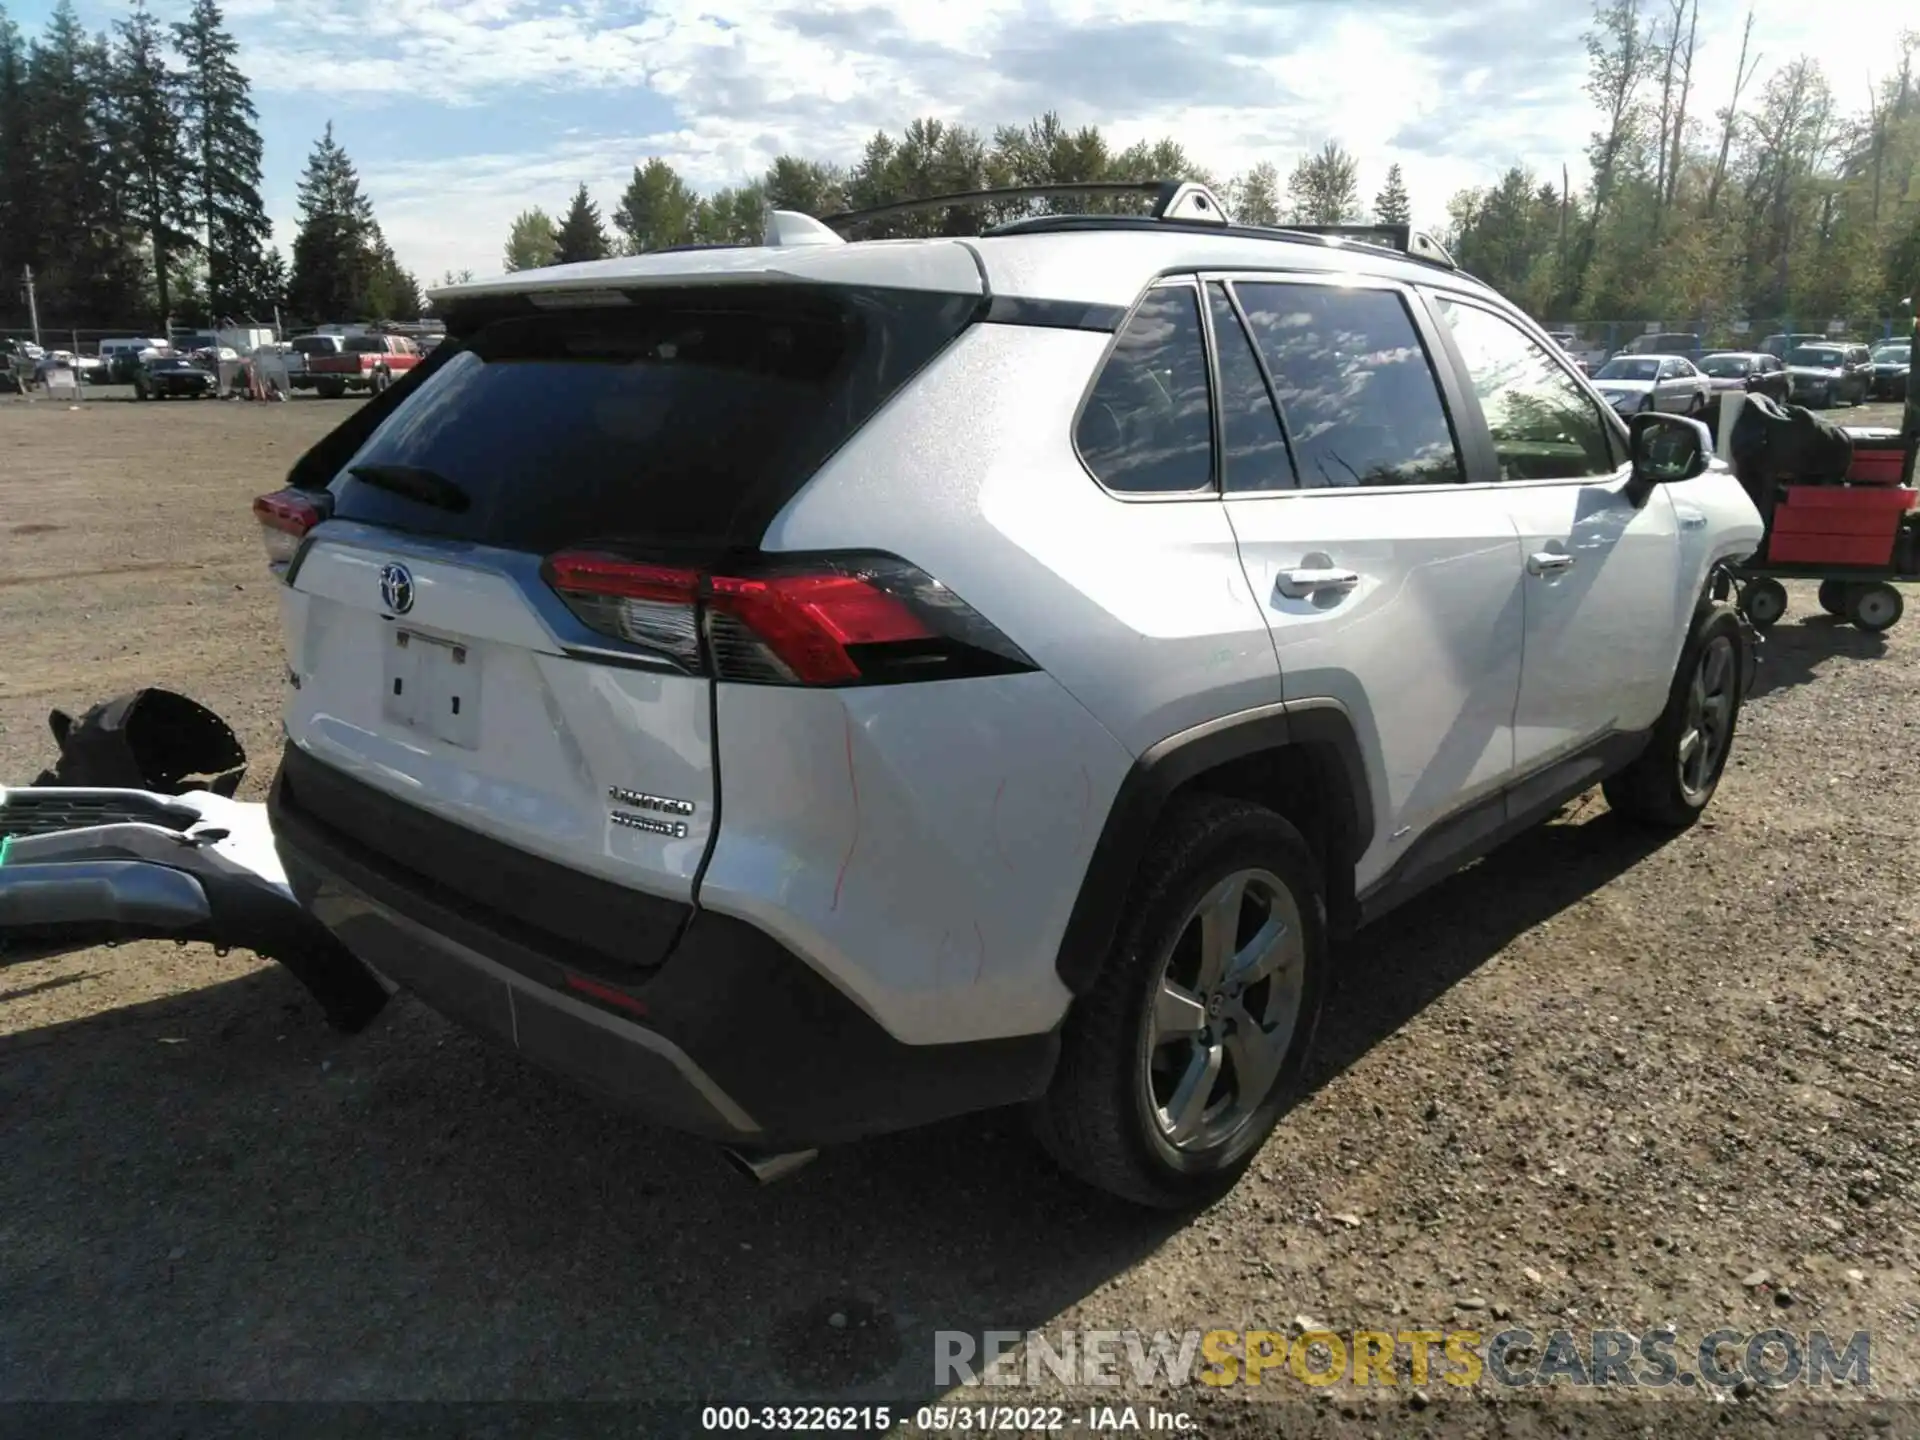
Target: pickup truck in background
<point>364,362</point>
<point>303,350</point>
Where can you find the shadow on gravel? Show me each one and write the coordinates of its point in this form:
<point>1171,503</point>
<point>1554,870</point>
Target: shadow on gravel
<point>1795,653</point>
<point>213,1196</point>
<point>1394,970</point>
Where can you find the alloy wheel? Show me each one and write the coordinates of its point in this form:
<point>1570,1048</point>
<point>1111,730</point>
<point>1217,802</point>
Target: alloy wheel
<point>1709,717</point>
<point>1223,1012</point>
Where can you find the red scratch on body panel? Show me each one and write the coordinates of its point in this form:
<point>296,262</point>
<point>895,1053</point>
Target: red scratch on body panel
<point>998,848</point>
<point>853,784</point>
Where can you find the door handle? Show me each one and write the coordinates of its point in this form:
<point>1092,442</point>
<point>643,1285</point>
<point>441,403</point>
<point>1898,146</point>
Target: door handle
<point>1549,562</point>
<point>1299,584</point>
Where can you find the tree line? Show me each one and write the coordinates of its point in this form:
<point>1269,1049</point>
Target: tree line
<point>659,209</point>
<point>130,166</point>
<point>1772,201</point>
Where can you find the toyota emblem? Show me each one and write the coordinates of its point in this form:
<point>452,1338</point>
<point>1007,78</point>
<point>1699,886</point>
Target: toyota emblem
<point>396,588</point>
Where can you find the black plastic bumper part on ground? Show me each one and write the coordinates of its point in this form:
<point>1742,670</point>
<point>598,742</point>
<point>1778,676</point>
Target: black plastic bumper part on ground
<point>732,1036</point>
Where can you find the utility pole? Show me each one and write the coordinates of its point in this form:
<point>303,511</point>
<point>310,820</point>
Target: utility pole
<point>33,306</point>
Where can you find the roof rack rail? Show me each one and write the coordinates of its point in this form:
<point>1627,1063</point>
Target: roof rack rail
<point>1403,238</point>
<point>1172,200</point>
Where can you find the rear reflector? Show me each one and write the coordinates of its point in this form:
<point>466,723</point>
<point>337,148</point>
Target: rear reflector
<point>813,620</point>
<point>285,517</point>
<point>606,994</point>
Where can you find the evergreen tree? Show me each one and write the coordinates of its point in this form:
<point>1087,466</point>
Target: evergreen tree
<point>1391,206</point>
<point>147,129</point>
<point>334,254</point>
<point>19,165</point>
<point>223,141</point>
<point>531,243</point>
<point>656,210</point>
<point>581,236</point>
<point>86,261</point>
<point>392,293</point>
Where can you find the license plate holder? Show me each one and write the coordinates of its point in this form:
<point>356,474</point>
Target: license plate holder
<point>433,685</point>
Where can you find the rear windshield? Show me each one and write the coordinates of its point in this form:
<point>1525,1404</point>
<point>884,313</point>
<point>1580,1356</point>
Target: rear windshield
<point>1726,365</point>
<point>366,344</point>
<point>317,345</point>
<point>683,420</point>
<point>1816,355</point>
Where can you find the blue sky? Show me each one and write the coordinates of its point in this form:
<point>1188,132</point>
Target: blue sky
<point>461,113</point>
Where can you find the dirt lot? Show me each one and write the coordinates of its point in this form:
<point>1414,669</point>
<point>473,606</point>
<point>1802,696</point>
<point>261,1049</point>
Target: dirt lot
<point>1591,1083</point>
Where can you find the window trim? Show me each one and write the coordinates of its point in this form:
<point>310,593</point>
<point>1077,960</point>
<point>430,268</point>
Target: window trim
<point>1620,449</point>
<point>1440,364</point>
<point>1266,381</point>
<point>1190,283</point>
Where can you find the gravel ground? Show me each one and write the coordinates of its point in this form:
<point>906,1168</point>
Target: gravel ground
<point>1593,1082</point>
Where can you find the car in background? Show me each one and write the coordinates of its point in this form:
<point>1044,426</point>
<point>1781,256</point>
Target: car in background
<point>1755,372</point>
<point>174,377</point>
<point>1686,345</point>
<point>1828,374</point>
<point>1639,384</point>
<point>1781,344</point>
<point>1892,362</point>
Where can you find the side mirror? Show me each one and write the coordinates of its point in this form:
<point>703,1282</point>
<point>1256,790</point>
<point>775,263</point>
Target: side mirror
<point>1665,448</point>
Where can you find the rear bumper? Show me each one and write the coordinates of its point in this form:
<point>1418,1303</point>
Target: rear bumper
<point>732,1037</point>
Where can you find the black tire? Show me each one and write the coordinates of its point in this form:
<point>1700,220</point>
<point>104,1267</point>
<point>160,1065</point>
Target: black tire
<point>1833,596</point>
<point>331,389</point>
<point>1646,406</point>
<point>381,380</point>
<point>1654,790</point>
<point>1095,1118</point>
<point>1763,602</point>
<point>1698,408</point>
<point>1875,606</point>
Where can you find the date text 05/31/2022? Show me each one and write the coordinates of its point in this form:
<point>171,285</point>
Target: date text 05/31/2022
<point>945,1419</point>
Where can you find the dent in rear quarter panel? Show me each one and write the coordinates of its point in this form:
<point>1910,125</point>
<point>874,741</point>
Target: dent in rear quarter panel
<point>921,845</point>
<point>1140,609</point>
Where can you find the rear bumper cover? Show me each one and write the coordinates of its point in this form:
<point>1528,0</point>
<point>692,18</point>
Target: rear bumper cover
<point>138,865</point>
<point>732,1037</point>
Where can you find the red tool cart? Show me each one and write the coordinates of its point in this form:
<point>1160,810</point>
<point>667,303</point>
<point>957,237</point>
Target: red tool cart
<point>1856,538</point>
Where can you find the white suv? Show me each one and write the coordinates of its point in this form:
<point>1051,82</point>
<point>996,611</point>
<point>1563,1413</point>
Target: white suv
<point>809,690</point>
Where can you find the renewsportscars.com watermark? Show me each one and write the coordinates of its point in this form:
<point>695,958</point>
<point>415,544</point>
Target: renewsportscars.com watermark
<point>1513,1357</point>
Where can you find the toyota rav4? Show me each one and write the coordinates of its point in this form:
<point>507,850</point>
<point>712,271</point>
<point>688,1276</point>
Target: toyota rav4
<point>812,689</point>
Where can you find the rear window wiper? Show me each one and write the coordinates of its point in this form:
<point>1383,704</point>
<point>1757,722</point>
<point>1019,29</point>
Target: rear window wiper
<point>416,482</point>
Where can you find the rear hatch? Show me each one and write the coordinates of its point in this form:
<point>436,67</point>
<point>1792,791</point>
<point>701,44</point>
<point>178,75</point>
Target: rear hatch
<point>482,696</point>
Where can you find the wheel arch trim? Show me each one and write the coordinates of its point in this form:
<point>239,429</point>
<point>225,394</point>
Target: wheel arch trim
<point>1319,725</point>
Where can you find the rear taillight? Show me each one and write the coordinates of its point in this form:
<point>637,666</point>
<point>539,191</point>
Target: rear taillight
<point>817,620</point>
<point>285,517</point>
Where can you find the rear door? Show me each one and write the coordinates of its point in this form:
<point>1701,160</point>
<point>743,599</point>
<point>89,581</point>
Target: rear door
<point>1389,586</point>
<point>434,658</point>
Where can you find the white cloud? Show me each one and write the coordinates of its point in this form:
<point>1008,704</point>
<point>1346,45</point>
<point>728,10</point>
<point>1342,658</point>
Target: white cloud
<point>1455,96</point>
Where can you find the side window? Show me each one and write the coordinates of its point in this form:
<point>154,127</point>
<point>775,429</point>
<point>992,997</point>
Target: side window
<point>1544,426</point>
<point>1357,394</point>
<point>1256,452</point>
<point>1147,427</point>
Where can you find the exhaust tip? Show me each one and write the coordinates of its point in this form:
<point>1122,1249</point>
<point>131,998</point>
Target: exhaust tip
<point>765,1167</point>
